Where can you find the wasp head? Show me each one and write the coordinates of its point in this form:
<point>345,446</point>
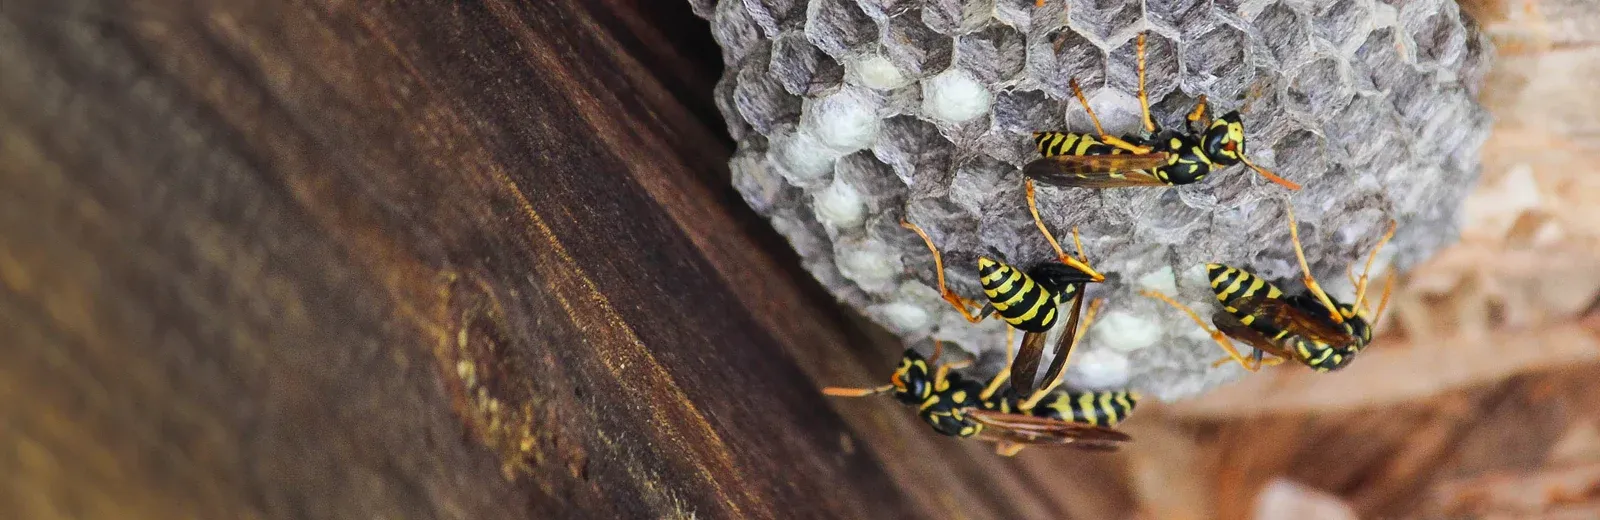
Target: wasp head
<point>912,380</point>
<point>1224,141</point>
<point>1355,322</point>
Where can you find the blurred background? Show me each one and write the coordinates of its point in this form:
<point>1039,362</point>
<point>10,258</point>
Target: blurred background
<point>1477,404</point>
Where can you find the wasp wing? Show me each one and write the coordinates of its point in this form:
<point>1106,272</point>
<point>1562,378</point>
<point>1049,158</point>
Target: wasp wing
<point>1230,325</point>
<point>1307,323</point>
<point>1024,439</point>
<point>1026,364</point>
<point>1028,429</point>
<point>1064,345</point>
<point>1097,171</point>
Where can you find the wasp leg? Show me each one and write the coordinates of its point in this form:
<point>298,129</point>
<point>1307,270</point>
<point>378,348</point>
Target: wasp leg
<point>1081,265</point>
<point>1104,137</point>
<point>1144,97</point>
<point>1008,448</point>
<point>1078,243</point>
<point>1388,287</point>
<point>1197,115</point>
<point>1038,395</point>
<point>955,300</point>
<point>1199,111</point>
<point>943,372</point>
<point>1258,360</point>
<point>1361,287</point>
<point>839,391</point>
<point>1005,373</point>
<point>1305,270</point>
<point>966,363</point>
<point>1216,335</point>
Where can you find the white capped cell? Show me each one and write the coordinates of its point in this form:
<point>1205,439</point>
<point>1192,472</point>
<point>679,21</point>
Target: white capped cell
<point>1125,331</point>
<point>876,71</point>
<point>839,205</point>
<point>804,160</point>
<point>1161,280</point>
<point>1195,276</point>
<point>955,96</point>
<point>871,264</point>
<point>846,120</point>
<point>1100,368</point>
<point>903,317</point>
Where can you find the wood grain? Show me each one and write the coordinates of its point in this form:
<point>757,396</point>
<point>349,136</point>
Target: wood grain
<point>478,260</point>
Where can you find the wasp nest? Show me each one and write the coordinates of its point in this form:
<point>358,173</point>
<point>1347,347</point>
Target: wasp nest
<point>853,114</point>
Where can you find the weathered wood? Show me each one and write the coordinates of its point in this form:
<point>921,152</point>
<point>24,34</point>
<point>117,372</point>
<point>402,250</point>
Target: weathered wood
<point>1387,373</point>
<point>326,260</point>
<point>1385,461</point>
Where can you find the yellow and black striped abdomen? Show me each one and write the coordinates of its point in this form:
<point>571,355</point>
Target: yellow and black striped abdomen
<point>1019,300</point>
<point>1321,356</point>
<point>1233,286</point>
<point>1051,144</point>
<point>1092,408</point>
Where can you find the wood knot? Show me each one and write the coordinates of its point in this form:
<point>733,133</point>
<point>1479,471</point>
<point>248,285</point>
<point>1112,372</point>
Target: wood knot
<point>486,375</point>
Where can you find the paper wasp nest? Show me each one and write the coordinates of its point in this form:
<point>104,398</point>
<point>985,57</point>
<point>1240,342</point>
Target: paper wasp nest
<point>851,114</point>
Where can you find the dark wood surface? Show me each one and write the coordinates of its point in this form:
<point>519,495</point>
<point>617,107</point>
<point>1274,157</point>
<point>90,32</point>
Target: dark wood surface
<point>415,260</point>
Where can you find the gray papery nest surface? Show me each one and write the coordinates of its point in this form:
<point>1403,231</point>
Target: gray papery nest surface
<point>852,114</point>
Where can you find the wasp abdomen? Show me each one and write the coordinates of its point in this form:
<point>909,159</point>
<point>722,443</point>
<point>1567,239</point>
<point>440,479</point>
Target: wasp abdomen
<point>1233,286</point>
<point>1323,357</point>
<point>1092,408</point>
<point>1051,144</point>
<point>1020,301</point>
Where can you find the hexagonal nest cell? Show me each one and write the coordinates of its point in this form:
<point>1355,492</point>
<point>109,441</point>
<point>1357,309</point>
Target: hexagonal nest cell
<point>853,114</point>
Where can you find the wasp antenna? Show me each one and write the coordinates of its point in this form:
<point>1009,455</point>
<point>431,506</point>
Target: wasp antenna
<point>839,391</point>
<point>1269,175</point>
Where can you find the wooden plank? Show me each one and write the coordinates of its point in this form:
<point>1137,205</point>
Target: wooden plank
<point>1388,372</point>
<point>315,259</point>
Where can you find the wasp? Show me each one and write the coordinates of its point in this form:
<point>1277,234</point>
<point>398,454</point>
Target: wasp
<point>1312,327</point>
<point>1027,300</point>
<point>960,407</point>
<point>1157,158</point>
